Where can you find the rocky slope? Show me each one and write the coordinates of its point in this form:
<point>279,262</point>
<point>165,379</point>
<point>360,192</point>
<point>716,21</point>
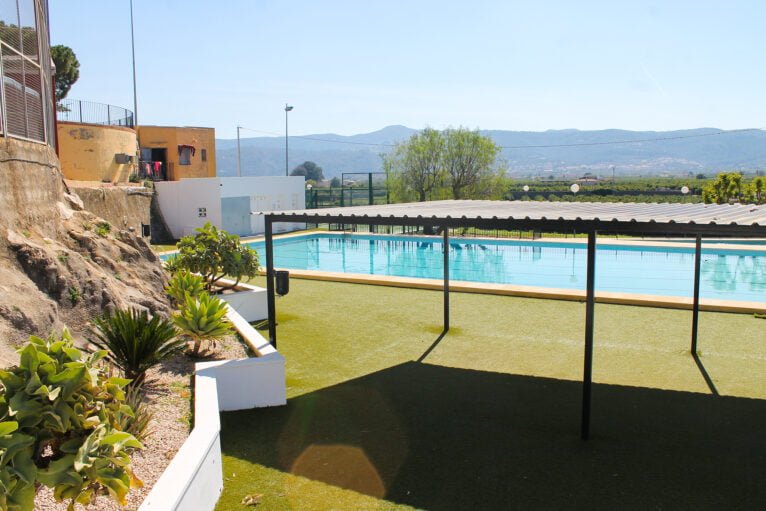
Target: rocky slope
<point>60,265</point>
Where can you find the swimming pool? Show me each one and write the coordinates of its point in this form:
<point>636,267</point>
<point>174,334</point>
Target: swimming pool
<point>647,269</point>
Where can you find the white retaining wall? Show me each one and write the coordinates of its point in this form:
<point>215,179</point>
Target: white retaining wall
<point>249,302</point>
<point>194,479</point>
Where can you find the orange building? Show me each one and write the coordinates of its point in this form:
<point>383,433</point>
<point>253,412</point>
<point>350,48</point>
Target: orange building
<point>171,153</point>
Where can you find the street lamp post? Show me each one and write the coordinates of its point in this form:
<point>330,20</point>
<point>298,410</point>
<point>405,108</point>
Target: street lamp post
<point>287,109</point>
<point>133,53</point>
<point>239,155</point>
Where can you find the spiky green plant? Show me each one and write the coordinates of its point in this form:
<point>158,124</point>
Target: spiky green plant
<point>203,319</point>
<point>137,423</point>
<point>184,284</point>
<point>172,264</point>
<point>134,342</point>
<point>59,412</point>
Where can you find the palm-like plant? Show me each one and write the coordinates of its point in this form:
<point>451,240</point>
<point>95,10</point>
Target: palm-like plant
<point>135,342</point>
<point>203,319</point>
<point>184,284</point>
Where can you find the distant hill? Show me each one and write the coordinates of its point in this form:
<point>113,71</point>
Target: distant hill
<point>703,150</point>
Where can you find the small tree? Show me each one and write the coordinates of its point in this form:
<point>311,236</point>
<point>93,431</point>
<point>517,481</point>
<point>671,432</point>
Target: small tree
<point>468,159</point>
<point>67,69</point>
<point>335,182</point>
<point>726,186</point>
<point>215,253</point>
<point>58,415</point>
<point>203,319</point>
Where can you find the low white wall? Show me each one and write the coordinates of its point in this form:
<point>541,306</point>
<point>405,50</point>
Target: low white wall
<point>249,301</point>
<point>194,479</point>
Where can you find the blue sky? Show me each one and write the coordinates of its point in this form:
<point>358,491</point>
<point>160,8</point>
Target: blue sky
<point>356,66</point>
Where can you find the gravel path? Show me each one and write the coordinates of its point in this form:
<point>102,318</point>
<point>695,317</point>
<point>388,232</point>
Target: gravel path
<point>169,394</point>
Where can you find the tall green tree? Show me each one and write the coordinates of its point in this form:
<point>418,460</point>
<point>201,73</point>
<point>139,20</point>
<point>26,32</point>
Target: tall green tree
<point>67,69</point>
<point>468,158</point>
<point>419,162</point>
<point>309,170</point>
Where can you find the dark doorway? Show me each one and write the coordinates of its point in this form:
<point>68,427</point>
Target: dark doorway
<point>154,163</point>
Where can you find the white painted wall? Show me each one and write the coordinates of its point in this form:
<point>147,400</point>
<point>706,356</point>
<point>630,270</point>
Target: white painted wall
<point>269,193</point>
<point>250,302</point>
<point>180,200</point>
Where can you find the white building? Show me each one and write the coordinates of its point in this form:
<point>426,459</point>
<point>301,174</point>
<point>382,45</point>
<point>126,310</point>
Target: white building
<point>229,202</point>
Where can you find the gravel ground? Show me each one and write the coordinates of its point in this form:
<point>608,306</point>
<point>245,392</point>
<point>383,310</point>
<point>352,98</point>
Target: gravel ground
<point>169,394</point>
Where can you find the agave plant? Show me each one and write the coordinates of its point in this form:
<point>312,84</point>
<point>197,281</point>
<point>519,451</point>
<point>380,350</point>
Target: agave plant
<point>134,342</point>
<point>203,319</point>
<point>184,284</point>
<point>172,264</point>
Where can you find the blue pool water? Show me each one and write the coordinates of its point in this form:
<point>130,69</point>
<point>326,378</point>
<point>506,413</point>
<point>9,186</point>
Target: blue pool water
<point>666,271</point>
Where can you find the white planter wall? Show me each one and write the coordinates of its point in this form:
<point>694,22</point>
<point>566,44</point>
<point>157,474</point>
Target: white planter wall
<point>194,479</point>
<point>250,302</point>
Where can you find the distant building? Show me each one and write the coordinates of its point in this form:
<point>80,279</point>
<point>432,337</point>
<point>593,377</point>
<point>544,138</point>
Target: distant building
<point>587,179</point>
<point>98,142</point>
<point>172,153</point>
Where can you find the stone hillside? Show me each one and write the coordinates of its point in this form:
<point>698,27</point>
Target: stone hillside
<point>58,264</point>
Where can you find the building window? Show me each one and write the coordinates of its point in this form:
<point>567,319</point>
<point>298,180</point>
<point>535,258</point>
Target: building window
<point>185,153</point>
<point>203,154</point>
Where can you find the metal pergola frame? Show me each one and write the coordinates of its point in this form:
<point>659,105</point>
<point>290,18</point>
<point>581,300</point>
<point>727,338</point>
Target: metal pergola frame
<point>591,227</point>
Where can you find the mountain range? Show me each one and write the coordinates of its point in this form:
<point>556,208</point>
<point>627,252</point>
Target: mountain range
<point>525,153</point>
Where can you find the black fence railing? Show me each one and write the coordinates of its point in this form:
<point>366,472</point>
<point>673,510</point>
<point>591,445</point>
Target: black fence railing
<point>90,112</point>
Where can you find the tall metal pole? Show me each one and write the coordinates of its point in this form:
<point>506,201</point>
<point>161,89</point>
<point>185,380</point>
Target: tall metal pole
<point>133,50</point>
<point>270,303</point>
<point>590,300</point>
<point>239,155</point>
<point>446,279</point>
<point>287,109</point>
<point>696,304</point>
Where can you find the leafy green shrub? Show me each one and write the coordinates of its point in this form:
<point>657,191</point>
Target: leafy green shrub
<point>134,343</point>
<point>203,319</point>
<point>103,229</point>
<point>58,416</point>
<point>215,253</point>
<point>184,284</point>
<point>134,178</point>
<point>74,295</point>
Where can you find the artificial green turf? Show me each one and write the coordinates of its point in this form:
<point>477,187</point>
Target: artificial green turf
<point>489,419</point>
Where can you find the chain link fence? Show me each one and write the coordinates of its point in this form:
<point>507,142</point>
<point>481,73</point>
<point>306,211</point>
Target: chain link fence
<point>26,88</point>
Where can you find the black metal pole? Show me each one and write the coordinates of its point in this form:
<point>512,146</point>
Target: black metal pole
<point>590,300</point>
<point>696,304</point>
<point>446,279</point>
<point>271,306</point>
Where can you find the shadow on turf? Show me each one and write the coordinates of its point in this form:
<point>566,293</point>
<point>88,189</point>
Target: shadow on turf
<point>441,438</point>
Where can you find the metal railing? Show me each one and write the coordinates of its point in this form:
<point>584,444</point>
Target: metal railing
<point>90,112</point>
